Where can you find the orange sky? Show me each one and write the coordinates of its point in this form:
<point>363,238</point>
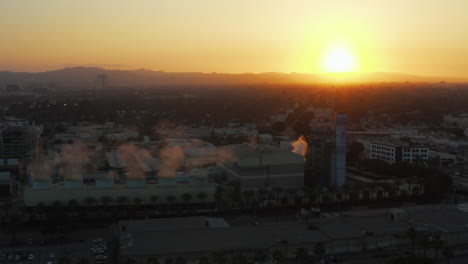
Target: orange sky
<point>425,37</point>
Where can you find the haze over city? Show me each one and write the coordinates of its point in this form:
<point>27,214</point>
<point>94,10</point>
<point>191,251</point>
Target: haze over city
<point>233,132</point>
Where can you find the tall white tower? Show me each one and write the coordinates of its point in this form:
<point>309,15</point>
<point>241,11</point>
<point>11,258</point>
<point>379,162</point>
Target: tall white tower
<point>340,151</point>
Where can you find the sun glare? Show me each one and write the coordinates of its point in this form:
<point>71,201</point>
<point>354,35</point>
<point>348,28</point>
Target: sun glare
<point>338,59</point>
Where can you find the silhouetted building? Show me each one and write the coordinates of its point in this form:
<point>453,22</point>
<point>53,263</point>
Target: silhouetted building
<point>101,83</point>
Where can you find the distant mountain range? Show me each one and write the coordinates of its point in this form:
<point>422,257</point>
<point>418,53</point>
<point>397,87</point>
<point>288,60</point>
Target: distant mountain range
<point>86,77</point>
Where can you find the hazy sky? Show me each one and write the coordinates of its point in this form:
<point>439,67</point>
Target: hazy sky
<point>426,37</point>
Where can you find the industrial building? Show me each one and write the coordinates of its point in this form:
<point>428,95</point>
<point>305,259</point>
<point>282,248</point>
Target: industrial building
<point>78,173</point>
<point>263,166</point>
<point>346,232</point>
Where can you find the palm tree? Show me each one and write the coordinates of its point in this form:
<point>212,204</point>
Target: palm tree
<point>218,257</point>
<point>437,243</point>
<point>291,194</point>
<point>204,260</point>
<point>301,254</point>
<point>180,260</point>
<point>411,233</point>
<point>202,196</point>
<point>137,201</point>
<point>319,250</point>
<point>424,244</point>
<point>247,196</point>
<point>56,204</point>
<point>152,260</point>
<point>448,253</point>
<point>278,190</point>
<point>83,260</point>
<point>154,199</point>
<point>105,200</point>
<point>259,256</point>
<point>89,201</point>
<point>64,260</point>
<point>73,203</point>
<point>239,259</point>
<point>278,256</point>
<point>121,200</point>
<point>186,197</point>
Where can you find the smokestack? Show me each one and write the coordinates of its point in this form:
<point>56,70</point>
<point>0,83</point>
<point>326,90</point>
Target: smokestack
<point>340,150</point>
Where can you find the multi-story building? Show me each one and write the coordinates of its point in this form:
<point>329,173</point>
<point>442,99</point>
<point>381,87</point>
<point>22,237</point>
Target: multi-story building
<point>398,152</point>
<point>18,140</point>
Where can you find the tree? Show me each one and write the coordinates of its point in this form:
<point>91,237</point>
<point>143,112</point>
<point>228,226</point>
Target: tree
<point>239,259</point>
<point>180,260</point>
<point>411,233</point>
<point>204,260</point>
<point>154,199</point>
<point>425,245</point>
<point>260,256</point>
<point>64,260</point>
<point>319,249</point>
<point>106,200</point>
<point>448,253</point>
<point>186,197</point>
<point>278,190</point>
<point>137,201</point>
<point>437,243</point>
<point>73,203</point>
<point>278,256</point>
<point>89,201</point>
<point>278,127</point>
<point>218,257</point>
<point>83,260</point>
<point>152,260</point>
<point>301,254</point>
<point>201,196</point>
<point>122,200</point>
<point>170,198</point>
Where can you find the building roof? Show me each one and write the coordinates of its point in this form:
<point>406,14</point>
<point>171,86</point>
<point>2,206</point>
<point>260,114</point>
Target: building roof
<point>184,235</point>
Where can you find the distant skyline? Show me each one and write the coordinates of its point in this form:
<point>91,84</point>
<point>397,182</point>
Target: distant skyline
<point>420,37</point>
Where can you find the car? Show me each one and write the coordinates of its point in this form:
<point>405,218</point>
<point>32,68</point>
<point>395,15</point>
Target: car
<point>101,257</point>
<point>30,256</point>
<point>51,255</point>
<point>98,240</point>
<point>97,251</point>
<point>17,257</point>
<point>10,257</point>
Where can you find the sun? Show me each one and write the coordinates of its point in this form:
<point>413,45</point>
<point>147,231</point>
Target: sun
<point>338,59</point>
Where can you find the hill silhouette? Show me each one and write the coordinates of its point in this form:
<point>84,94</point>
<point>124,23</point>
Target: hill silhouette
<point>85,76</point>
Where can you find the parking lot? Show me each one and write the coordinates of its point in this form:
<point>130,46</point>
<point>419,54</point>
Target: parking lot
<point>95,250</point>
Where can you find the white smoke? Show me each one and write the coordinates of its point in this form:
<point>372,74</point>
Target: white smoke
<point>300,146</point>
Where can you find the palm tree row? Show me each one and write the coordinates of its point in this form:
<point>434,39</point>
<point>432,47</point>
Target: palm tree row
<point>433,241</point>
<point>121,200</point>
<point>259,256</point>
